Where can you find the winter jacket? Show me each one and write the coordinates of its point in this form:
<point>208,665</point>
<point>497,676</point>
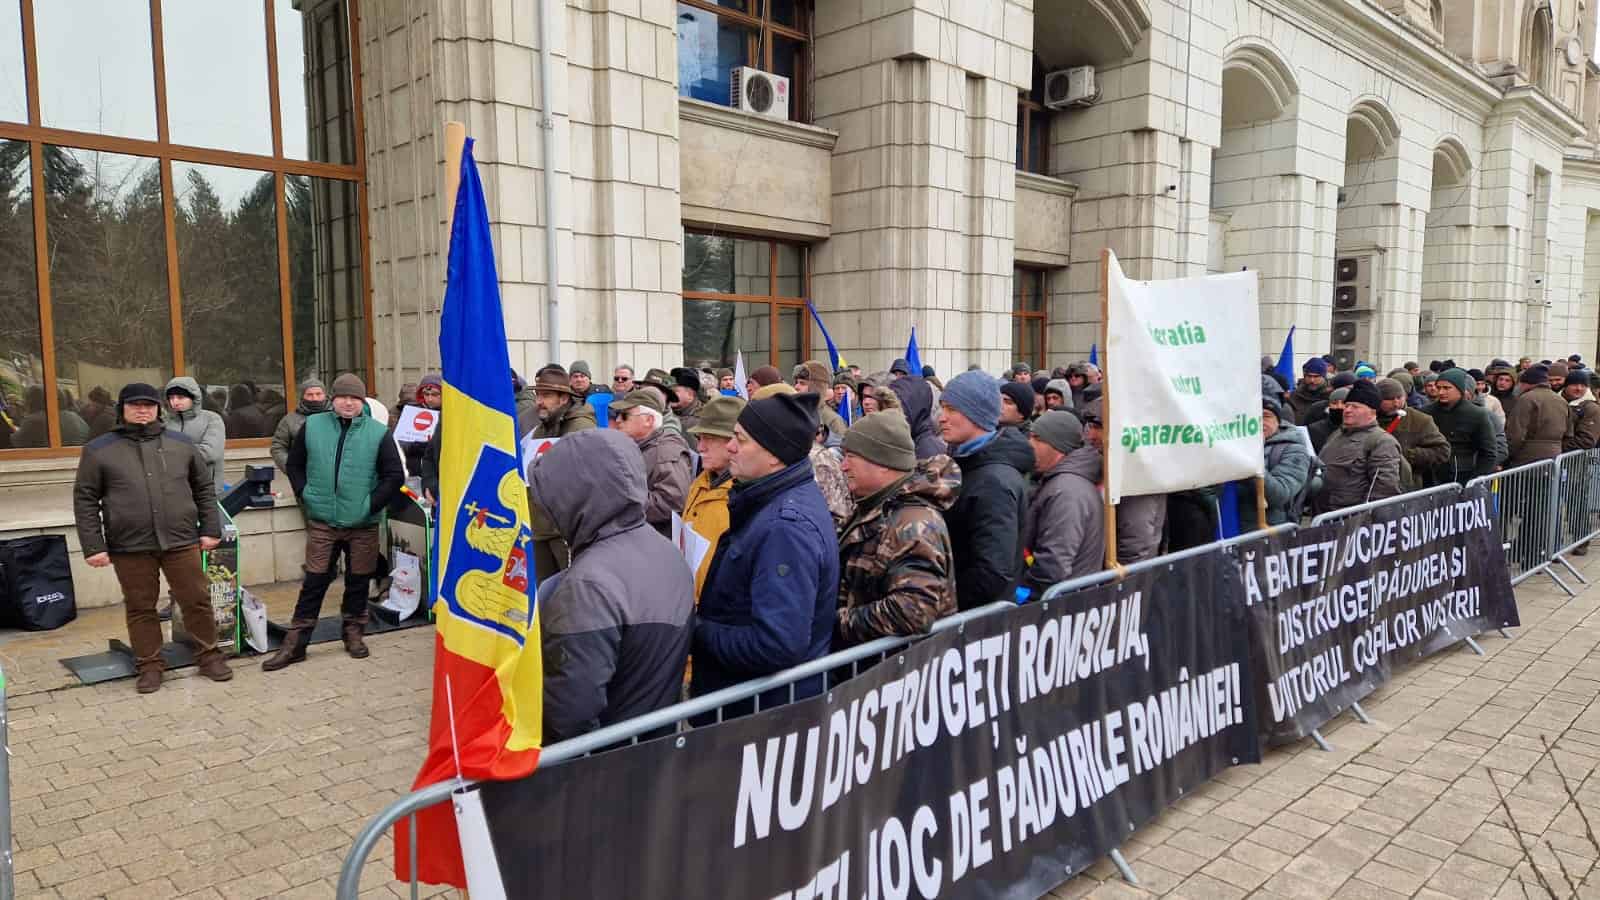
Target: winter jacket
<point>669,468</point>
<point>1064,528</point>
<point>569,419</point>
<point>1536,426</point>
<point>1140,523</point>
<point>1583,431</point>
<point>1270,388</point>
<point>1322,428</point>
<point>1422,446</point>
<point>1288,464</point>
<point>289,426</point>
<point>143,489</point>
<point>1308,403</point>
<point>829,418</point>
<point>202,426</point>
<point>831,482</point>
<point>986,520</point>
<point>896,565</point>
<point>527,409</point>
<point>344,471</point>
<point>1470,431</point>
<point>614,626</point>
<point>689,416</point>
<point>770,598</point>
<point>706,511</point>
<point>916,401</point>
<point>1361,465</point>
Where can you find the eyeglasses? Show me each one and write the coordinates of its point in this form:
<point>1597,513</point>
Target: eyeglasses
<point>621,378</point>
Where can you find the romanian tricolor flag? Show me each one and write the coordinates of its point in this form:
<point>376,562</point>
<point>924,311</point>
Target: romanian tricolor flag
<point>486,652</point>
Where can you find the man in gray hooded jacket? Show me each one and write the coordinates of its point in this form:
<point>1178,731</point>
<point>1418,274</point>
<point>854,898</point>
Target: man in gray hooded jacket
<point>202,426</point>
<point>1064,531</point>
<point>615,625</point>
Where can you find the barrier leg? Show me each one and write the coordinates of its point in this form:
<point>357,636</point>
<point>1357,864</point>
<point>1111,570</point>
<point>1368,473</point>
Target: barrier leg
<point>1503,634</point>
<point>1473,645</point>
<point>1125,870</point>
<point>1575,573</point>
<point>7,876</point>
<point>1559,583</point>
<point>1320,741</point>
<point>1360,714</point>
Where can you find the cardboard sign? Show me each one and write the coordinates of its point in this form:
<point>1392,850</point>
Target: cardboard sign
<point>416,424</point>
<point>1183,382</point>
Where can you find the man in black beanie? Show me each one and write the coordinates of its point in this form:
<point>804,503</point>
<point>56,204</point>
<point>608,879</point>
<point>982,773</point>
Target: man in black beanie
<point>769,598</point>
<point>1538,421</point>
<point>1016,405</point>
<point>1361,459</point>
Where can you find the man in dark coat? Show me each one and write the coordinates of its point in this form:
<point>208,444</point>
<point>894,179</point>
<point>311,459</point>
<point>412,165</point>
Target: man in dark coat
<point>986,520</point>
<point>916,403</point>
<point>1423,447</point>
<point>1310,396</point>
<point>145,504</point>
<point>1503,384</point>
<point>1537,423</point>
<point>771,595</point>
<point>560,415</point>
<point>614,626</point>
<point>1583,429</point>
<point>1332,420</point>
<point>1064,530</point>
<point>1466,425</point>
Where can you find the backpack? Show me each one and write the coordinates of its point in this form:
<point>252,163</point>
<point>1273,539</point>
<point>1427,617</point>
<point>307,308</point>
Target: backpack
<point>1313,483</point>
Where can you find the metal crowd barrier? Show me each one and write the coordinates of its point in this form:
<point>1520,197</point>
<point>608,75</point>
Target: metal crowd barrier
<point>8,887</point>
<point>1526,507</point>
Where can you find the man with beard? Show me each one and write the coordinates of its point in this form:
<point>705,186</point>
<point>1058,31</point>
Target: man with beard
<point>560,413</point>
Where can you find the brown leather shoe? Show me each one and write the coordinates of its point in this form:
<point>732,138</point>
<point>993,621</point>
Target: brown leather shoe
<point>354,643</point>
<point>149,680</point>
<point>292,650</point>
<point>214,667</point>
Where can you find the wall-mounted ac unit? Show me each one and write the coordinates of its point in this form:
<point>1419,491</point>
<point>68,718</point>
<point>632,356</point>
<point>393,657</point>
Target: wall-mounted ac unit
<point>1426,323</point>
<point>1351,334</point>
<point>1352,285</point>
<point>1068,88</point>
<point>759,93</point>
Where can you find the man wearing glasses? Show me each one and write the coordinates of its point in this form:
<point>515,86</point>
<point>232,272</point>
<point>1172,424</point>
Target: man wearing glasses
<point>622,381</point>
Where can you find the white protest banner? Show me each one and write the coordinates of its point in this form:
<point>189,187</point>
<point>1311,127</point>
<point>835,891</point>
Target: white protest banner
<point>416,424</point>
<point>532,449</point>
<point>1183,382</point>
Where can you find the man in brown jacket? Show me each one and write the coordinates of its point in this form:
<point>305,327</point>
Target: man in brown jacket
<point>668,467</point>
<point>559,413</point>
<point>1583,430</point>
<point>1422,446</point>
<point>145,504</point>
<point>1537,423</point>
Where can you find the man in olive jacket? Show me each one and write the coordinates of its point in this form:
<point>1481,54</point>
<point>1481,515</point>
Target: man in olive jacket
<point>1423,447</point>
<point>344,469</point>
<point>145,505</point>
<point>1466,425</point>
<point>1361,461</point>
<point>559,415</point>
<point>1538,421</point>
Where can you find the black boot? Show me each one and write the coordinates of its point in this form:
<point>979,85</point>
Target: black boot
<point>293,649</point>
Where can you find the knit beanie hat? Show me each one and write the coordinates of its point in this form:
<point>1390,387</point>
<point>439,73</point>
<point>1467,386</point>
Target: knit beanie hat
<point>310,383</point>
<point>1477,374</point>
<point>1316,365</point>
<point>1272,406</point>
<point>883,438</point>
<point>1366,371</point>
<point>580,367</point>
<point>785,425</point>
<point>1538,374</point>
<point>349,385</point>
<point>1558,370</point>
<point>1390,389</point>
<point>1366,394</point>
<point>1339,395</point>
<point>1343,379</point>
<point>1461,380</point>
<point>1060,429</point>
<point>1021,395</point>
<point>1040,382</point>
<point>975,395</point>
<point>766,375</point>
<point>1407,383</point>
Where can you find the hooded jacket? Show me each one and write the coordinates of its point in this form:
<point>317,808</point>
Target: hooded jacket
<point>1308,402</point>
<point>1535,426</point>
<point>770,597</point>
<point>1064,531</point>
<point>669,468</point>
<point>1288,466</point>
<point>1423,446</point>
<point>986,519</point>
<point>614,626</point>
<point>572,418</point>
<point>1583,431</point>
<point>1470,431</point>
<point>143,489</point>
<point>1361,465</point>
<point>289,426</point>
<point>896,563</point>
<point>202,426</point>
<point>916,401</point>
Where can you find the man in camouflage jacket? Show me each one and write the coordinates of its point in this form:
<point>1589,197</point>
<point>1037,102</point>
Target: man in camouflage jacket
<point>896,564</point>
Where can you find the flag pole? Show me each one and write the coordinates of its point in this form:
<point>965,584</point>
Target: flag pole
<point>1105,407</point>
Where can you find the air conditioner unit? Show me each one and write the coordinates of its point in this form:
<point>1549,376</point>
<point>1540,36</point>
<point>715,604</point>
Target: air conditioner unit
<point>1352,298</point>
<point>1352,334</point>
<point>1357,269</point>
<point>1426,323</point>
<point>757,92</point>
<point>1345,359</point>
<point>1070,87</point>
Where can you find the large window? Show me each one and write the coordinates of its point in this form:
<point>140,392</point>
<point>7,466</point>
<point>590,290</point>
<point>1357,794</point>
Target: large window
<point>717,36</point>
<point>1028,317</point>
<point>180,194</point>
<point>743,295</point>
<point>1033,127</point>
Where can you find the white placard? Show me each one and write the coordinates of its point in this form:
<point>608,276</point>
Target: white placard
<point>405,585</point>
<point>1183,382</point>
<point>690,543</point>
<point>416,424</point>
<point>532,449</point>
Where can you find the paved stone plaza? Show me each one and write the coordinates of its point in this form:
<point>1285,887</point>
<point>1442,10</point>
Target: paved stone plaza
<point>255,788</point>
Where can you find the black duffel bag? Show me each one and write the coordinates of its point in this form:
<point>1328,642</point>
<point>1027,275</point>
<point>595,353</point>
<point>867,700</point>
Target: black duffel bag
<point>36,583</point>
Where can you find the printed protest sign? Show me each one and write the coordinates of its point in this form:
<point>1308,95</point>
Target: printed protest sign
<point>1183,382</point>
<point>994,760</point>
<point>416,424</point>
<point>1334,608</point>
<point>532,449</point>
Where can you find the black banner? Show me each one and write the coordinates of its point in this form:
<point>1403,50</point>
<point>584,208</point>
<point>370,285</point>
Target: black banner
<point>993,760</point>
<point>1333,608</point>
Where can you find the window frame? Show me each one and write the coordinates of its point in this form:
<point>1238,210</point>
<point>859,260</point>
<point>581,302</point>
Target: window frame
<point>771,299</point>
<point>1032,113</point>
<point>759,33</point>
<point>1025,318</point>
<point>166,153</point>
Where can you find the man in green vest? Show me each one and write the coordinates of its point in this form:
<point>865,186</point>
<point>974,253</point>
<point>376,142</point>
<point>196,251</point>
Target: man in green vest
<point>344,468</point>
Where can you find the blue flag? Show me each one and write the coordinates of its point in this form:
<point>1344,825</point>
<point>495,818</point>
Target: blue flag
<point>1094,354</point>
<point>912,356</point>
<point>833,352</point>
<point>1285,365</point>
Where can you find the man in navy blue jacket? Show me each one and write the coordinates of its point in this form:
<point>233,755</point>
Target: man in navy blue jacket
<point>770,595</point>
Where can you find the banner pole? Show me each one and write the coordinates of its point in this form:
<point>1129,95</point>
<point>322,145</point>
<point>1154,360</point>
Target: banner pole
<point>1105,406</point>
<point>455,142</point>
<point>1261,502</point>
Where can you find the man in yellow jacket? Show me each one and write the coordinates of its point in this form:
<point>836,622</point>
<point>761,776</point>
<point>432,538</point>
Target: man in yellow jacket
<point>706,510</point>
